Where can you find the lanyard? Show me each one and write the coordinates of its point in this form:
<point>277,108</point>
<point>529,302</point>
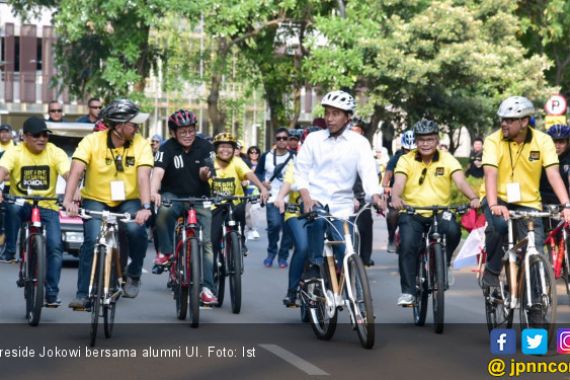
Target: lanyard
<point>513,165</point>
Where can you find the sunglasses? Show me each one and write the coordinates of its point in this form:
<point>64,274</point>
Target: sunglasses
<point>95,107</point>
<point>423,176</point>
<point>281,138</point>
<point>253,152</point>
<point>55,111</point>
<point>38,135</point>
<point>155,141</point>
<point>119,164</point>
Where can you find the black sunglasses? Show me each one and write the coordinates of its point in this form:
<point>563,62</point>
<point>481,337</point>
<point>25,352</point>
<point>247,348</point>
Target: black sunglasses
<point>55,111</point>
<point>423,176</point>
<point>95,107</point>
<point>41,134</point>
<point>281,138</point>
<point>119,164</point>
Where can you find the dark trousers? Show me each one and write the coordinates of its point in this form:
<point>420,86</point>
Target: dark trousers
<point>365,229</point>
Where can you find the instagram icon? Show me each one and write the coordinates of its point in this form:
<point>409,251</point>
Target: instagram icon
<point>563,341</point>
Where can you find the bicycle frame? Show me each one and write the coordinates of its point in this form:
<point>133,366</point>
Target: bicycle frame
<point>558,246</point>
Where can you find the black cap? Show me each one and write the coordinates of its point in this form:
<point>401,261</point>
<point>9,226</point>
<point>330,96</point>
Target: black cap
<point>35,125</point>
<point>5,127</point>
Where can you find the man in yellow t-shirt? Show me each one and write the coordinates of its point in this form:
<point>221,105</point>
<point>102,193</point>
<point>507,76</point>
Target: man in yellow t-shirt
<point>117,164</point>
<point>513,158</point>
<point>33,167</point>
<point>6,143</point>
<point>422,179</point>
<point>230,172</point>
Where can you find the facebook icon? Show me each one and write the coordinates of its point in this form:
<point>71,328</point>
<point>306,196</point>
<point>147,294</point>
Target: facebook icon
<point>503,342</point>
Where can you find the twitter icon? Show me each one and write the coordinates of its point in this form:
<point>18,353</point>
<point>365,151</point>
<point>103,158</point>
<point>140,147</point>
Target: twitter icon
<point>534,341</point>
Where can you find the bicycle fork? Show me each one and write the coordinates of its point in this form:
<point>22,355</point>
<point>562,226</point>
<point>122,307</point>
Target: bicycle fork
<point>531,251</point>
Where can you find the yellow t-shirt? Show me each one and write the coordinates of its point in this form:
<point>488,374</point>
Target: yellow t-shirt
<point>4,148</point>
<point>228,180</point>
<point>36,172</point>
<point>100,159</point>
<point>520,163</point>
<point>293,210</point>
<point>435,189</point>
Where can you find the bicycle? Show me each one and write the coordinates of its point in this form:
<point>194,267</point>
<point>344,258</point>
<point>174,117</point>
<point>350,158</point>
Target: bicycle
<point>229,261</point>
<point>527,282</point>
<point>185,272</point>
<point>32,248</point>
<point>106,280</point>
<point>556,242</point>
<point>431,275</point>
<point>326,296</point>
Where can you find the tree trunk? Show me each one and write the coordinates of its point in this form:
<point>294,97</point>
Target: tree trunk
<point>216,115</point>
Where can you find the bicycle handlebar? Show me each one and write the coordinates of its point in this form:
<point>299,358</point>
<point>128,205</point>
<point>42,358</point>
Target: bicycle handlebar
<point>460,209</point>
<point>35,198</point>
<point>517,214</point>
<point>190,200</point>
<point>124,217</point>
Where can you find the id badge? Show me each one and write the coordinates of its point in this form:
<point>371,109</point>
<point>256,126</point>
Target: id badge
<point>118,191</point>
<point>513,192</point>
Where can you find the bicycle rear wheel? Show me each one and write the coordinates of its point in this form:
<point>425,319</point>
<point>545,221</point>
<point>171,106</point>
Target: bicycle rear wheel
<point>421,302</point>
<point>361,305</point>
<point>438,288</point>
<point>181,290</point>
<point>35,278</point>
<point>323,323</point>
<point>235,270</point>
<point>498,314</point>
<point>194,255</point>
<point>540,310</point>
<point>97,294</point>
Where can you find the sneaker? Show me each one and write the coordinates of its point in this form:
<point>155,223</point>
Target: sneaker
<point>290,299</point>
<point>132,287</point>
<point>207,297</point>
<point>52,301</point>
<point>254,235</point>
<point>268,262</point>
<point>490,279</point>
<point>369,263</point>
<point>79,304</point>
<point>162,259</point>
<point>283,263</point>
<point>450,277</point>
<point>406,299</point>
<point>9,259</point>
<point>391,247</point>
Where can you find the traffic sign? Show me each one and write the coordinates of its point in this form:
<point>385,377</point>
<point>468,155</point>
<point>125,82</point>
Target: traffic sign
<point>556,105</point>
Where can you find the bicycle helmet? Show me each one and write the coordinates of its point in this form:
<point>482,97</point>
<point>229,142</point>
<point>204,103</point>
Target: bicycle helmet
<point>559,132</point>
<point>295,133</point>
<point>122,111</point>
<point>425,127</point>
<point>182,118</point>
<point>225,138</point>
<point>408,140</point>
<point>339,99</point>
<point>515,107</point>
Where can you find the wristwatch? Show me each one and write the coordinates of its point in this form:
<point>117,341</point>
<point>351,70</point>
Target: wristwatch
<point>146,206</point>
<point>567,205</point>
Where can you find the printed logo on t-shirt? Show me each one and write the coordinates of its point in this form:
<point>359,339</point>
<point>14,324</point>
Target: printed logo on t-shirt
<point>534,155</point>
<point>439,171</point>
<point>224,186</point>
<point>35,177</point>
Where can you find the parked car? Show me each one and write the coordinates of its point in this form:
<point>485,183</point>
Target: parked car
<point>67,136</point>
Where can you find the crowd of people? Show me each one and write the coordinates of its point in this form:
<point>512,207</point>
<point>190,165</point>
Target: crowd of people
<point>329,166</point>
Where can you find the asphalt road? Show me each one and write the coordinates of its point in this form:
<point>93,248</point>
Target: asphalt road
<point>265,339</point>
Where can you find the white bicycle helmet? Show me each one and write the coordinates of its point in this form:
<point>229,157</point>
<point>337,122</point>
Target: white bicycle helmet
<point>408,140</point>
<point>515,107</point>
<point>339,99</point>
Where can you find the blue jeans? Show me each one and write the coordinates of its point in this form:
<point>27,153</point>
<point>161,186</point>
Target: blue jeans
<point>135,233</point>
<point>276,225</point>
<point>165,222</point>
<point>411,229</point>
<point>316,232</point>
<point>50,219</point>
<point>496,234</point>
<point>301,253</point>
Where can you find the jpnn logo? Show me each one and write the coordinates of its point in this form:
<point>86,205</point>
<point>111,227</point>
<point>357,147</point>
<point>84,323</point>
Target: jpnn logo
<point>534,341</point>
<point>503,342</point>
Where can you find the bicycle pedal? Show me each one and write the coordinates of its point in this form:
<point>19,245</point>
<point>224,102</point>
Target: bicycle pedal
<point>84,308</point>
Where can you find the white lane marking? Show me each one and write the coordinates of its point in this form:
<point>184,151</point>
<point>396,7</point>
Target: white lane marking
<point>294,360</point>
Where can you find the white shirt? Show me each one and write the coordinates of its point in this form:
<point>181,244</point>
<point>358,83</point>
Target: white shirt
<point>328,167</point>
<point>271,160</point>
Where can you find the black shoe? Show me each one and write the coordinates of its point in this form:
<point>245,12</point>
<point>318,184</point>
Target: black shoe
<point>312,273</point>
<point>490,279</point>
<point>369,263</point>
<point>8,259</point>
<point>157,269</point>
<point>132,287</point>
<point>52,301</point>
<point>290,299</point>
<point>79,304</point>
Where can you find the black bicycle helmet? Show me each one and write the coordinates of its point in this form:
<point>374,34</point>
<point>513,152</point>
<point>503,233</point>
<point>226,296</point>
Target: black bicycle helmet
<point>122,111</point>
<point>426,127</point>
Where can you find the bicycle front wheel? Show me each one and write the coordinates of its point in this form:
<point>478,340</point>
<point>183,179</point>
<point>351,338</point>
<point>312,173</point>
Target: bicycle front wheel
<point>194,254</point>
<point>235,270</point>
<point>497,311</point>
<point>438,288</point>
<point>35,278</point>
<point>323,321</point>
<point>110,308</point>
<point>361,304</point>
<point>539,301</point>
<point>97,293</point>
<point>219,278</point>
<point>421,302</point>
<point>179,287</point>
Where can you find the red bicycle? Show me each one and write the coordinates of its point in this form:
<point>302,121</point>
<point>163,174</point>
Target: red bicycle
<point>557,244</point>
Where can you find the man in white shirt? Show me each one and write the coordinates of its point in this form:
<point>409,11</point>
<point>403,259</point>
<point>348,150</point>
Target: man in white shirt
<point>326,169</point>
